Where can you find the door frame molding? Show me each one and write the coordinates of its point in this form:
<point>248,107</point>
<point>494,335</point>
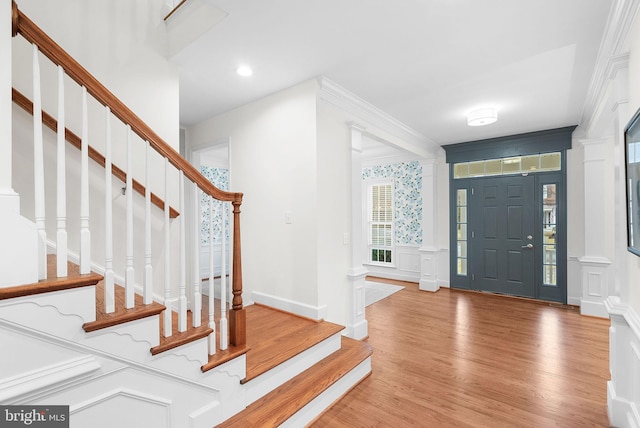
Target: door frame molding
<point>552,140</point>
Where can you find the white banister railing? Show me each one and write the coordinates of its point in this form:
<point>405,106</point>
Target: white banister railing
<point>130,278</point>
<point>224,326</point>
<point>168,319</point>
<point>148,267</point>
<point>85,234</point>
<point>182,299</point>
<point>211,288</point>
<point>109,282</point>
<point>123,234</point>
<point>196,306</point>
<point>61,196</point>
<point>38,170</point>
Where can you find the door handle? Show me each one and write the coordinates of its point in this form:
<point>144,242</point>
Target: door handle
<point>528,246</point>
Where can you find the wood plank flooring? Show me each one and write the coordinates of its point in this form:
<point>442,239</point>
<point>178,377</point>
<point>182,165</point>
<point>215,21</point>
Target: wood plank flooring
<point>465,359</point>
<point>274,336</point>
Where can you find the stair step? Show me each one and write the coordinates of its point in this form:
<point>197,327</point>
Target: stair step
<point>73,280</point>
<point>178,339</point>
<point>288,335</point>
<point>121,314</point>
<point>221,357</point>
<point>279,405</point>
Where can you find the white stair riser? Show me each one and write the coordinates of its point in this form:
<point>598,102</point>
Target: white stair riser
<point>275,377</point>
<point>332,394</point>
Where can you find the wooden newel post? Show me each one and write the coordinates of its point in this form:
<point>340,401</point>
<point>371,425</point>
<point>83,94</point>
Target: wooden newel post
<point>237,315</point>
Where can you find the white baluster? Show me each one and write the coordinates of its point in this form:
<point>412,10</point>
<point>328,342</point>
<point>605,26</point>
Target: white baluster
<point>224,326</point>
<point>38,169</point>
<point>167,254</point>
<point>212,323</point>
<point>109,282</point>
<point>61,207</point>
<point>130,278</point>
<point>196,307</point>
<point>148,268</point>
<point>85,234</point>
<point>182,302</point>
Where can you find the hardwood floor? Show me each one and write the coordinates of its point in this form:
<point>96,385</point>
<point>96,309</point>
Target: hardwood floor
<point>465,359</point>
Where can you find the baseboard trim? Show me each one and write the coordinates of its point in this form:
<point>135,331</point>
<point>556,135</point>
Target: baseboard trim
<point>302,309</point>
<point>593,309</point>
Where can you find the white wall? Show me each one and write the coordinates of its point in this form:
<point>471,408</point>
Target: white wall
<point>273,161</point>
<point>5,100</point>
<point>334,212</point>
<point>123,44</point>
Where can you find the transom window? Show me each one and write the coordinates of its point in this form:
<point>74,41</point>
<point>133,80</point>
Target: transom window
<point>513,165</point>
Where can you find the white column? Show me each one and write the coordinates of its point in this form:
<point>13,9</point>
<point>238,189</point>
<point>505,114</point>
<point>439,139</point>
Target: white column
<point>621,116</point>
<point>429,250</point>
<point>597,272</point>
<point>358,326</point>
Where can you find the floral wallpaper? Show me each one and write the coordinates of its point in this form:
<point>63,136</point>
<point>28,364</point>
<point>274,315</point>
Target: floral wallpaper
<point>407,198</point>
<point>220,178</point>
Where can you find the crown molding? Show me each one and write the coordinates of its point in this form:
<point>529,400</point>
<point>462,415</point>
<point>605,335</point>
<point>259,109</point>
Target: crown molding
<point>339,97</point>
<point>612,55</point>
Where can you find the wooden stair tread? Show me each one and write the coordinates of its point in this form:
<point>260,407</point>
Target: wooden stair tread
<point>121,314</point>
<point>73,280</point>
<point>177,338</point>
<point>283,402</point>
<point>288,335</point>
<point>221,357</point>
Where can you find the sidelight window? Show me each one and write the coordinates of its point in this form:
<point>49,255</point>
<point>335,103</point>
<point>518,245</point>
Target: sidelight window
<point>461,225</point>
<point>549,228</point>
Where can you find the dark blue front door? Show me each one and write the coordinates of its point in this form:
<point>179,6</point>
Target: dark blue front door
<point>502,228</point>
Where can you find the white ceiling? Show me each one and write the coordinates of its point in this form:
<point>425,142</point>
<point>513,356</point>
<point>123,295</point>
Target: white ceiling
<point>424,62</point>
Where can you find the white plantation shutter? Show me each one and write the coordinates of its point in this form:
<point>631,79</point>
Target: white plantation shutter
<point>380,216</point>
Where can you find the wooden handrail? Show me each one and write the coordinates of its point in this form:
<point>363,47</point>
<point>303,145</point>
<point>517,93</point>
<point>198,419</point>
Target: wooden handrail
<point>73,139</point>
<point>21,24</point>
<point>33,34</point>
<point>175,9</point>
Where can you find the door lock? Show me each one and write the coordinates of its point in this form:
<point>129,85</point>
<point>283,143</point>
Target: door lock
<point>528,246</point>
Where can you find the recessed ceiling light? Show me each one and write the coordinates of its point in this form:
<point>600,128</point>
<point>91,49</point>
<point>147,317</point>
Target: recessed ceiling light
<point>483,116</point>
<point>244,71</point>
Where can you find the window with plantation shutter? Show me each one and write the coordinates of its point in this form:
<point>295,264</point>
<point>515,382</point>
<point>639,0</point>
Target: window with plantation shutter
<point>380,213</point>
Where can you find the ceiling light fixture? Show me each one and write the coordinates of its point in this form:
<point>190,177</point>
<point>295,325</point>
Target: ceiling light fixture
<point>483,116</point>
<point>244,71</point>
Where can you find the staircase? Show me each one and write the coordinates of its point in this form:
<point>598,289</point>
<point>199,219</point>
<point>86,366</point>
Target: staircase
<point>104,367</point>
<point>120,351</point>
